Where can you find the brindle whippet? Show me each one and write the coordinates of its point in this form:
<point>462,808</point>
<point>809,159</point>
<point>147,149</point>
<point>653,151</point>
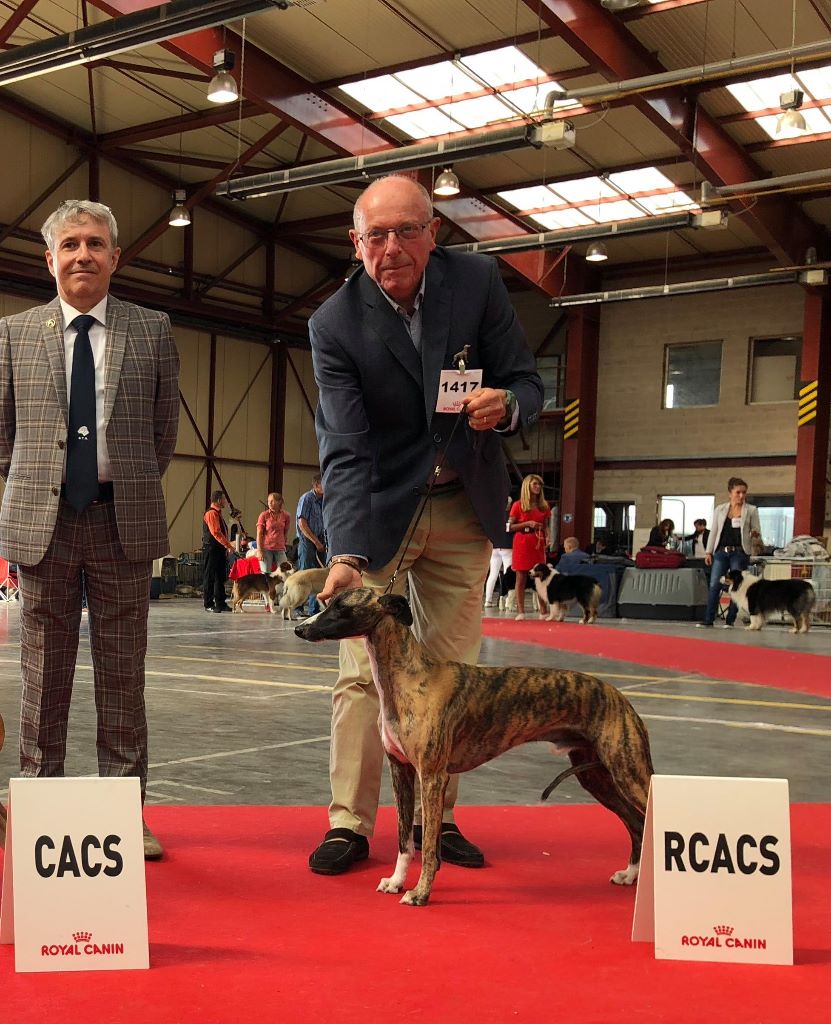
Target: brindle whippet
<point>441,717</point>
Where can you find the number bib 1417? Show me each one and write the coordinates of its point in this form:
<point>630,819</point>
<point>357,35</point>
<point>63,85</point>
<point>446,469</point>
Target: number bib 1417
<point>455,387</point>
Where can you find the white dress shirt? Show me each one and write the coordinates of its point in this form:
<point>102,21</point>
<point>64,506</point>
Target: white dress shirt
<point>98,342</point>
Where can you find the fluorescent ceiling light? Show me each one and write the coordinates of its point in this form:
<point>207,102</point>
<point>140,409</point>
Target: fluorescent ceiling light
<point>127,32</point>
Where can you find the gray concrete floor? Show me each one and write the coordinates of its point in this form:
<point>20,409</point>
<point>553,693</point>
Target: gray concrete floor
<point>239,713</point>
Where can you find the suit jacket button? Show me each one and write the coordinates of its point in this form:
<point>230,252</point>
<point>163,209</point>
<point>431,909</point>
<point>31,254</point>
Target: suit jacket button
<point>437,438</point>
<point>56,490</point>
<point>60,444</point>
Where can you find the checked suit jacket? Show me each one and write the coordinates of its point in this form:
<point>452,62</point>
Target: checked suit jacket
<point>141,411</point>
<point>378,432</point>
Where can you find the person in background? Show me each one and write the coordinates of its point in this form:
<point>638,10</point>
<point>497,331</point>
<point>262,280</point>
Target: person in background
<point>272,527</point>
<point>500,559</point>
<point>698,540</point>
<point>661,535</point>
<point>89,411</point>
<point>215,549</point>
<point>379,346</point>
<point>527,521</point>
<point>735,525</point>
<point>311,551</point>
<point>572,557</point>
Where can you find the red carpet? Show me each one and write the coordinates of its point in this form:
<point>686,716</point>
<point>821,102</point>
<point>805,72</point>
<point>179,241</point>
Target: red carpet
<point>787,670</point>
<point>240,930</point>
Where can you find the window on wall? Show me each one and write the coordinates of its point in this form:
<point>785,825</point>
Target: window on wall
<point>692,374</point>
<point>773,369</point>
<point>776,515</point>
<point>684,509</point>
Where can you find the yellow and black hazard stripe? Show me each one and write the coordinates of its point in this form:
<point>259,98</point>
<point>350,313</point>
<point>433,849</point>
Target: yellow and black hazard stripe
<point>571,422</point>
<point>807,403</point>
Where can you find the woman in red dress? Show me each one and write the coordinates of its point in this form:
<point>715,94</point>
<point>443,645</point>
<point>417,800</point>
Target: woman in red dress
<point>528,522</point>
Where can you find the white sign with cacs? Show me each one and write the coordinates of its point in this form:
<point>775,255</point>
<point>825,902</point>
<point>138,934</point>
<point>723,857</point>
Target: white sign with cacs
<point>715,879</point>
<point>74,896</point>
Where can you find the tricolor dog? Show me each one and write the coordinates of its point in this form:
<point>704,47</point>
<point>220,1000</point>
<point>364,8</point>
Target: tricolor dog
<point>760,599</point>
<point>441,718</point>
<point>556,590</point>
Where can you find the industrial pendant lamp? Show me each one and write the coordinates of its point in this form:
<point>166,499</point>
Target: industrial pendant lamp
<point>447,184</point>
<point>596,253</point>
<point>179,215</point>
<point>223,88</point>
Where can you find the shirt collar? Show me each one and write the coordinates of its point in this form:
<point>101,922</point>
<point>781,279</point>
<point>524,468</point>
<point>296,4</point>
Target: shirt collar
<point>99,312</point>
<point>419,299</point>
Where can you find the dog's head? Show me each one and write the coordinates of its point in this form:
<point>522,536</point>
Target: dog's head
<point>282,572</point>
<point>541,571</point>
<point>733,579</point>
<point>354,613</point>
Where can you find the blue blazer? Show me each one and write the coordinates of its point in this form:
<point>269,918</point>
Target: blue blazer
<point>377,429</point>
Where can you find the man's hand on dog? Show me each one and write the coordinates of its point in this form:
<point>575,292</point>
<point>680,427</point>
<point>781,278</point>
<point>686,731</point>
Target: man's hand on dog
<point>485,408</point>
<point>341,577</point>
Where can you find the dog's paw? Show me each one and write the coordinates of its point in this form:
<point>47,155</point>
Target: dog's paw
<point>626,877</point>
<point>388,885</point>
<point>413,898</point>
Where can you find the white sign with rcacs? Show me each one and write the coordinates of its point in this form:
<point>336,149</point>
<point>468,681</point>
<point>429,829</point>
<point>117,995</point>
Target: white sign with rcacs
<point>74,896</point>
<point>715,879</point>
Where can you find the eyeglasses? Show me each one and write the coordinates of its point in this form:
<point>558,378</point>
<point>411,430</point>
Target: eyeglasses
<point>376,238</point>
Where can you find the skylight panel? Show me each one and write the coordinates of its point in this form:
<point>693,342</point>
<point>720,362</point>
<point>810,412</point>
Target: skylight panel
<point>556,219</point>
<point>503,66</point>
<point>817,82</point>
<point>477,112</point>
<point>583,188</point>
<point>382,93</point>
<point>529,198</point>
<point>643,180</point>
<point>668,202</point>
<point>605,213</point>
<point>423,124</point>
<point>815,121</point>
<point>438,81</point>
<point>763,93</point>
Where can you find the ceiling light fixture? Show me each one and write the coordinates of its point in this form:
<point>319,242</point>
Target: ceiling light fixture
<point>620,5</point>
<point>597,253</point>
<point>791,123</point>
<point>127,32</point>
<point>555,134</point>
<point>179,215</point>
<point>223,88</point>
<point>447,184</point>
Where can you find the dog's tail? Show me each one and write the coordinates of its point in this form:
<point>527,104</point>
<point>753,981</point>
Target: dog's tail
<point>573,770</point>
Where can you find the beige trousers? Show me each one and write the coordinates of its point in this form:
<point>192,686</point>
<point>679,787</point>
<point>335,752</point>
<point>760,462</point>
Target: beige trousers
<point>443,573</point>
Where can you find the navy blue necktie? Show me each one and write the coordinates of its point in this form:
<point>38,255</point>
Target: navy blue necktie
<point>81,453</point>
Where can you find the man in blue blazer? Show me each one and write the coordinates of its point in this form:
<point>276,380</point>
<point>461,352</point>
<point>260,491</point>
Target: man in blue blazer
<point>379,347</point>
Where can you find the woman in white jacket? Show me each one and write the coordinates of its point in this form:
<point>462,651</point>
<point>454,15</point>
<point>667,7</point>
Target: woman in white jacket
<point>735,523</point>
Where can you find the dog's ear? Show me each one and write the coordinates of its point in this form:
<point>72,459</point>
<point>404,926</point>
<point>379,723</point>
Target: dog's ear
<point>398,607</point>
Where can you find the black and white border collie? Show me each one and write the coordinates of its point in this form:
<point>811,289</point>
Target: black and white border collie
<point>555,590</point>
<point>760,598</point>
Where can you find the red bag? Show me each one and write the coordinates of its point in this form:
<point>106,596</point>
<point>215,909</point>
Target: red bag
<point>652,557</point>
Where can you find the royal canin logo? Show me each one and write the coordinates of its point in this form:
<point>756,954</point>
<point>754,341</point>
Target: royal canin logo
<point>82,945</point>
<point>723,938</point>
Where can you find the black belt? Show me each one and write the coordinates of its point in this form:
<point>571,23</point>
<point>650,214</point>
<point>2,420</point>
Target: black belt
<point>105,493</point>
<point>730,549</point>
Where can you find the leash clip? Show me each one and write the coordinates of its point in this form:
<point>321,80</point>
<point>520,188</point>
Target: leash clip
<point>460,359</point>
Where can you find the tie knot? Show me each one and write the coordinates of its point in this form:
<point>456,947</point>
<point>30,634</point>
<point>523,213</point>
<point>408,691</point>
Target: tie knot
<point>83,322</point>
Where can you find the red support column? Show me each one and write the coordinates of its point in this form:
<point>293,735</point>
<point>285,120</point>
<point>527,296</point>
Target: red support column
<point>813,415</point>
<point>579,424</point>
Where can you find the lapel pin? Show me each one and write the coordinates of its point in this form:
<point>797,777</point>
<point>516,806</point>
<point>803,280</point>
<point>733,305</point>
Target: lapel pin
<point>50,323</point>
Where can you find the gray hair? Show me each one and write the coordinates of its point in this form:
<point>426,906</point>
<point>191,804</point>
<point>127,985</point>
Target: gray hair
<point>73,210</point>
<point>357,213</point>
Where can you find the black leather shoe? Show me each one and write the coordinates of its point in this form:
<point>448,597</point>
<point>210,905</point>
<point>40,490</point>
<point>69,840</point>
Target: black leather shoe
<point>455,849</point>
<point>340,848</point>
<point>221,608</point>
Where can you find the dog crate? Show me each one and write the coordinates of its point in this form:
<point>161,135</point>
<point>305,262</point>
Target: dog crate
<point>676,594</point>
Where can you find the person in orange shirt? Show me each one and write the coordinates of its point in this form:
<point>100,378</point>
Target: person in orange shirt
<point>215,548</point>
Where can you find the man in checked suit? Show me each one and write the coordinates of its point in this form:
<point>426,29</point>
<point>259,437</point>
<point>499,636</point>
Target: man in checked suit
<point>66,532</point>
<point>379,347</point>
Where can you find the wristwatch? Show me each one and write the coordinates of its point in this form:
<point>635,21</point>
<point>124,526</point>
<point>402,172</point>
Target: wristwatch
<point>351,560</point>
<point>510,405</point>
